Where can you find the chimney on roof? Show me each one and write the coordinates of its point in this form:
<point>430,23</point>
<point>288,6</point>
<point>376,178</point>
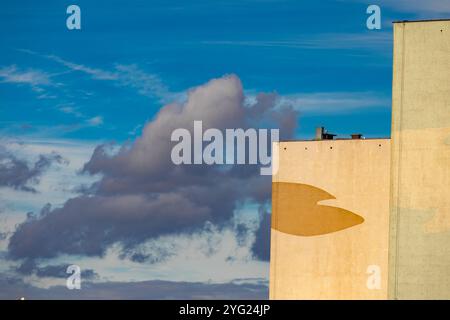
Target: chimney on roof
<point>322,134</point>
<point>319,133</point>
<point>356,136</point>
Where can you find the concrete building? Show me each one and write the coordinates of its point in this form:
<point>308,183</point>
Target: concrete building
<point>370,218</point>
<point>419,250</point>
<point>330,213</point>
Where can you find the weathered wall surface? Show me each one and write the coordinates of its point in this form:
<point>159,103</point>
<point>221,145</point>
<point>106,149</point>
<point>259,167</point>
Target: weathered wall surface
<point>420,202</point>
<point>330,220</point>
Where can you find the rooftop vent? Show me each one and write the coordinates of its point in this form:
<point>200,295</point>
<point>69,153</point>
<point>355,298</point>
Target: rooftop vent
<point>356,136</point>
<point>322,134</point>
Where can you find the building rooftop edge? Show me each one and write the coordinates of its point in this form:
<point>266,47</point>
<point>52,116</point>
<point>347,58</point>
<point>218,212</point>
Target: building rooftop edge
<point>424,20</point>
<point>330,140</point>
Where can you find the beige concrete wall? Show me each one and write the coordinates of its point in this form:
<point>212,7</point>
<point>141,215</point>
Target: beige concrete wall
<point>420,182</point>
<point>330,214</point>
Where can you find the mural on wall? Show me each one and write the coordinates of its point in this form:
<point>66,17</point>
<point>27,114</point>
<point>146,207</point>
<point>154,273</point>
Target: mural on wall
<point>296,211</point>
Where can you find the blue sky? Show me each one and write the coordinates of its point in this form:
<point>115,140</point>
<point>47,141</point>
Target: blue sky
<point>65,92</point>
<point>290,47</point>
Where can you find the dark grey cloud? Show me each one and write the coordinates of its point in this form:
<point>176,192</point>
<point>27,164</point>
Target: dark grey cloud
<point>153,253</point>
<point>143,195</point>
<point>19,174</point>
<point>3,235</point>
<point>30,267</point>
<point>261,246</point>
<point>15,288</point>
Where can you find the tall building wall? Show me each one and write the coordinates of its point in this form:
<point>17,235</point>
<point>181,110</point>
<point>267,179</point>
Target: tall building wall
<point>330,220</point>
<point>419,252</point>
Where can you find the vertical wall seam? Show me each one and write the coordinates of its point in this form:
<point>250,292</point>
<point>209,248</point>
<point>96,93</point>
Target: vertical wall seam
<point>275,220</point>
<point>400,120</point>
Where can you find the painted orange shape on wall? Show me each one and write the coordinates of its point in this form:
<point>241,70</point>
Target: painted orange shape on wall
<point>295,210</point>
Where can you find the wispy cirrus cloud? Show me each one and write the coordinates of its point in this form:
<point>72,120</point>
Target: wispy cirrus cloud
<point>70,109</point>
<point>98,74</point>
<point>131,76</point>
<point>420,7</point>
<point>146,84</point>
<point>325,103</point>
<point>36,79</point>
<point>323,41</point>
<point>335,102</point>
<point>95,121</point>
